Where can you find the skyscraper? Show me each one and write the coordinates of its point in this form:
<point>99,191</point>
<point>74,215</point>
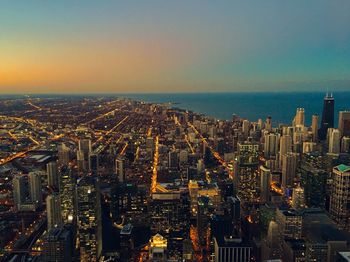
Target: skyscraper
<point>63,154</point>
<point>173,160</point>
<point>334,142</point>
<point>52,175</point>
<point>85,147</point>
<point>231,248</point>
<point>158,248</point>
<point>265,181</point>
<point>289,223</point>
<point>246,170</point>
<point>299,119</point>
<point>345,144</point>
<point>286,146</point>
<point>58,245</point>
<point>35,188</point>
<point>183,156</point>
<point>340,198</point>
<point>80,161</point>
<point>203,215</point>
<point>93,163</point>
<point>268,123</point>
<point>344,123</point>
<point>120,168</point>
<point>289,165</point>
<point>271,144</point>
<point>19,190</point>
<point>67,195</point>
<point>272,240</point>
<point>53,209</point>
<point>314,128</point>
<point>246,128</point>
<point>89,219</point>
<point>298,201</point>
<point>170,217</point>
<point>327,116</point>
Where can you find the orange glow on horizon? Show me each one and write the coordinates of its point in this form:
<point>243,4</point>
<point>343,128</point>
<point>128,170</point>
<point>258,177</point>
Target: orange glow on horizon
<point>93,66</point>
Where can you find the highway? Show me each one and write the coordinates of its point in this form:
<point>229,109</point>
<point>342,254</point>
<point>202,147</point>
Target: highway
<point>17,155</point>
<point>35,106</point>
<point>155,166</point>
<point>102,116</point>
<point>111,130</point>
<point>122,152</point>
<point>29,237</point>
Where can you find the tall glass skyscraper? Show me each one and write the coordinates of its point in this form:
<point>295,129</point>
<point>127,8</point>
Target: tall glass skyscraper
<point>67,195</point>
<point>327,116</point>
<point>89,219</point>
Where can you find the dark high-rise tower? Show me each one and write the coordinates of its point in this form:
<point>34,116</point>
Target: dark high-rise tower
<point>89,219</point>
<point>327,116</point>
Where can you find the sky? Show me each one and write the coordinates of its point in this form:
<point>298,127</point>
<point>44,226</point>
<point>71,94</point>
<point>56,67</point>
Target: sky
<point>158,46</point>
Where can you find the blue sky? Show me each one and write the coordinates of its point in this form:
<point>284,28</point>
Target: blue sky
<point>168,46</point>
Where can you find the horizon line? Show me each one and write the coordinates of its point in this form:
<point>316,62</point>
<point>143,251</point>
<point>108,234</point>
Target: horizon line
<point>168,93</point>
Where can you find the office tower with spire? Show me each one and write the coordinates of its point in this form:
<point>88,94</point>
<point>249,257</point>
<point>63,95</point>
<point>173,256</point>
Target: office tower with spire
<point>35,187</point>
<point>340,198</point>
<point>89,219</point>
<point>52,175</point>
<point>327,116</point>
<point>53,210</point>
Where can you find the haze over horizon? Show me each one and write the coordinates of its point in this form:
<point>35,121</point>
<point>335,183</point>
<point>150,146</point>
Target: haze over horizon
<point>165,47</point>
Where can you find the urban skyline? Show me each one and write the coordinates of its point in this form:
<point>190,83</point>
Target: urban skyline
<point>175,131</point>
<point>115,179</point>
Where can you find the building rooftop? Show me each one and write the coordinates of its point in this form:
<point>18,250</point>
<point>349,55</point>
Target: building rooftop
<point>290,213</point>
<point>231,241</point>
<point>126,230</point>
<point>296,244</point>
<point>345,255</point>
<point>343,168</point>
<point>324,233</point>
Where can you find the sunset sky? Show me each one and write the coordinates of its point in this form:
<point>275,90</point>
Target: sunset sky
<point>173,46</point>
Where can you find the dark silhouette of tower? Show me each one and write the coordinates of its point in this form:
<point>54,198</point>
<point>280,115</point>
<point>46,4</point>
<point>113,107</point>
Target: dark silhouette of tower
<point>327,116</point>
